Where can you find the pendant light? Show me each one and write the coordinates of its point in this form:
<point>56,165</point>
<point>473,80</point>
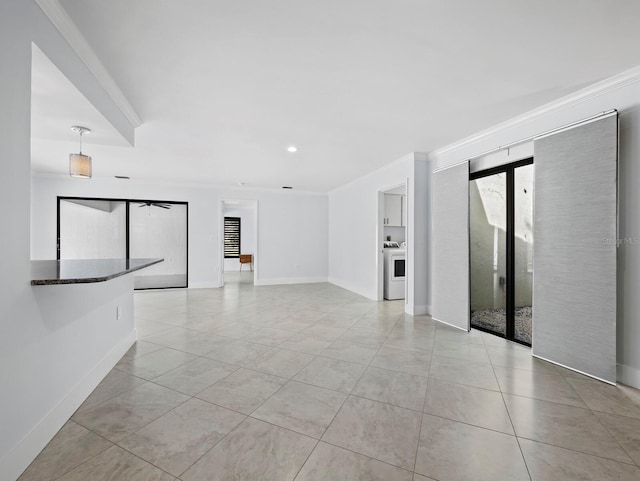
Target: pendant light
<point>80,164</point>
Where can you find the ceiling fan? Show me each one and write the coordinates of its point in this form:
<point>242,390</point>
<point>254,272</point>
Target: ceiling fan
<point>155,204</point>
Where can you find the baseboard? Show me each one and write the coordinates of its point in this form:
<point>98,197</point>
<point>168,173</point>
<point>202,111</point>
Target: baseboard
<point>204,285</point>
<point>550,361</point>
<point>423,310</point>
<point>352,288</point>
<point>289,280</point>
<point>19,458</point>
<point>451,325</point>
<point>628,375</point>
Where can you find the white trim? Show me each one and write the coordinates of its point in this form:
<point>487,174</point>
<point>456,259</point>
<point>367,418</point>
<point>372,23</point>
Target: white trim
<point>574,370</point>
<point>450,166</point>
<point>221,244</point>
<point>380,246</point>
<point>532,138</point>
<point>354,289</point>
<point>19,458</point>
<point>573,125</point>
<point>62,21</point>
<point>450,325</point>
<point>598,89</point>
<point>204,285</point>
<point>289,280</point>
<point>629,375</point>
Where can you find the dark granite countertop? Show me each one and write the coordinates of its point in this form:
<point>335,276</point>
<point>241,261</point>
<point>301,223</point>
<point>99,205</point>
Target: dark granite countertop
<point>81,271</point>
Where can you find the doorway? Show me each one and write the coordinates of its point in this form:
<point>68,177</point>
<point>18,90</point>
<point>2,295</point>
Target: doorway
<point>501,250</point>
<point>391,242</point>
<point>239,242</point>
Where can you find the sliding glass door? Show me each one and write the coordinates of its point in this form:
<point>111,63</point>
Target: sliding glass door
<point>93,229</point>
<point>488,252</point>
<point>159,229</point>
<point>501,250</point>
<point>523,252</point>
<point>123,229</point>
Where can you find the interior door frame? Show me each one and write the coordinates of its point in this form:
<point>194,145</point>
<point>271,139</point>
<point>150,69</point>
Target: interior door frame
<point>380,241</point>
<point>255,206</point>
<point>509,169</point>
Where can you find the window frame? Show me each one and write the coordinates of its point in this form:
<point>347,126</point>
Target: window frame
<point>238,221</point>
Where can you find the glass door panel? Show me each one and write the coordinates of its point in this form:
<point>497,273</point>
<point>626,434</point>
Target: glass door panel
<point>487,230</point>
<point>523,252</point>
<point>159,229</point>
<point>92,229</point>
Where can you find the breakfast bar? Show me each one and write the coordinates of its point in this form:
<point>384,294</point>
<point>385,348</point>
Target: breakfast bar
<point>82,271</point>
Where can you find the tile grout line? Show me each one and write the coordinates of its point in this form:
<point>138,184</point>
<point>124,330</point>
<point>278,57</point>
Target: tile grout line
<point>306,460</point>
<point>337,410</point>
<point>114,444</point>
<point>615,438</point>
<point>424,401</point>
<point>504,403</point>
<point>246,417</point>
<point>632,463</point>
<point>336,414</point>
<point>378,348</point>
<point>85,461</point>
<point>355,384</point>
<point>212,447</point>
<point>587,405</point>
<point>586,408</point>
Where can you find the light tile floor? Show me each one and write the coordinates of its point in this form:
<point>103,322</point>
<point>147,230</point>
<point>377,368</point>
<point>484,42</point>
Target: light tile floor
<point>312,382</point>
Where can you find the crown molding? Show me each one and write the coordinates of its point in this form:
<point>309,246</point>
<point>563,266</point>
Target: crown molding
<point>598,89</point>
<point>62,21</point>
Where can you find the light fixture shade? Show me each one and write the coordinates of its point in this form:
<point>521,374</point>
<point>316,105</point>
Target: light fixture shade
<point>80,166</point>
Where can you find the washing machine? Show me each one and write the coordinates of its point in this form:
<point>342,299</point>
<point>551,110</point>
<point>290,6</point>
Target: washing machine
<point>394,273</point>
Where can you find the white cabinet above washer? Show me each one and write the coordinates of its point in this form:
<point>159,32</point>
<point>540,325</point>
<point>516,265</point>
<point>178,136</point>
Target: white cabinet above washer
<point>394,210</point>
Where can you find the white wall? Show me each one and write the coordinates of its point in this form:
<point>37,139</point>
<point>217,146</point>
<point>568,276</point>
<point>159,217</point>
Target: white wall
<point>292,229</point>
<point>622,93</point>
<point>292,237</point>
<point>354,223</point>
<point>52,339</point>
<point>247,235</point>
<point>397,234</point>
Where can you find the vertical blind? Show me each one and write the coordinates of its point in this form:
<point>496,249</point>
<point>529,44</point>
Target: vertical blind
<point>575,230</point>
<point>450,204</point>
<point>232,237</point>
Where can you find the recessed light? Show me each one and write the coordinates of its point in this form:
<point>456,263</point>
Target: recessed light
<point>122,177</point>
<point>287,187</point>
<point>292,148</point>
<point>242,183</point>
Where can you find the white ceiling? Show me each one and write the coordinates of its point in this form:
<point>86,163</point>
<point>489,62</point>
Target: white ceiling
<point>224,88</point>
